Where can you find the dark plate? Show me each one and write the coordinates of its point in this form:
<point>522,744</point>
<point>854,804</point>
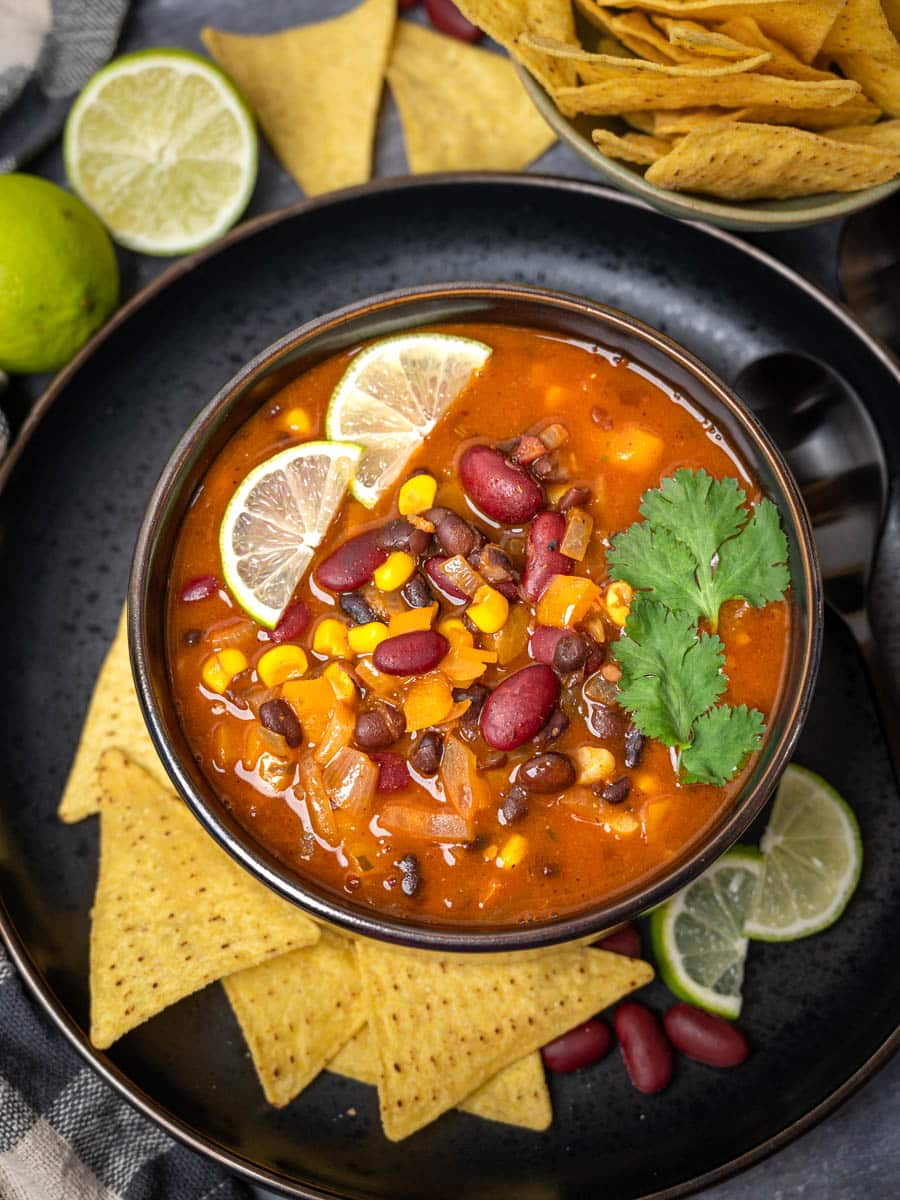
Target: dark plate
<point>68,517</point>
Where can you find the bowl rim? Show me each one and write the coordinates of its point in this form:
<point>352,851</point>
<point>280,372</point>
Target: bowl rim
<point>329,906</point>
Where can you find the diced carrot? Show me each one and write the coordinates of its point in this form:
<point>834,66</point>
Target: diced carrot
<point>412,620</point>
<point>634,448</point>
<point>566,600</point>
<point>428,702</point>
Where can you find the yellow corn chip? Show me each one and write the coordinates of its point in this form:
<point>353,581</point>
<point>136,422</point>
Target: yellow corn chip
<point>296,1011</point>
<point>861,26</point>
<point>762,162</point>
<point>505,20</point>
<point>113,719</point>
<point>783,62</point>
<point>316,90</point>
<point>644,122</point>
<point>443,1026</point>
<point>630,147</point>
<point>700,40</point>
<point>892,12</point>
<point>880,80</point>
<point>517,1095</point>
<point>885,134</point>
<point>636,32</point>
<point>855,111</point>
<point>598,67</point>
<point>172,912</point>
<point>462,108</point>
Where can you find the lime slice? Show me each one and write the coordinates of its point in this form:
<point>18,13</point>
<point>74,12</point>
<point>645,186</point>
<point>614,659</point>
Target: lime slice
<point>812,858</point>
<point>393,394</point>
<point>161,145</point>
<point>698,937</point>
<point>277,518</point>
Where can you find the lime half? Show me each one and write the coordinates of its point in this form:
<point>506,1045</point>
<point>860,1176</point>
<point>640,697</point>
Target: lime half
<point>698,937</point>
<point>277,518</point>
<point>812,859</point>
<point>393,394</point>
<point>161,145</point>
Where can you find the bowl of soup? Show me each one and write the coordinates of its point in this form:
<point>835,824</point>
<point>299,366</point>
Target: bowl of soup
<point>475,617</point>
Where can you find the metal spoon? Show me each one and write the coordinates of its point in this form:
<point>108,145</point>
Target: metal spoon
<point>869,268</point>
<point>832,445</point>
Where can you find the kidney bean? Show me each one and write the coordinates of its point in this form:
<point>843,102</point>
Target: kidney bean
<point>279,717</point>
<point>508,588</point>
<point>647,1053</point>
<point>401,534</point>
<point>404,4</point>
<point>379,727</point>
<point>625,941</point>
<point>555,728</point>
<point>543,643</point>
<point>605,720</point>
<point>542,557</point>
<point>580,1047</point>
<point>617,792</point>
<point>454,534</point>
<point>514,806</point>
<point>410,653</point>
<point>293,624</point>
<point>634,746</point>
<point>573,497</point>
<point>352,564</point>
<point>571,653</point>
<point>445,16</point>
<point>519,707</point>
<point>596,659</point>
<point>357,607</point>
<point>548,772</point>
<point>440,581</point>
<point>427,753</point>
<point>410,877</point>
<point>416,592</point>
<point>200,588</point>
<point>704,1037</point>
<point>393,773</point>
<point>498,488</point>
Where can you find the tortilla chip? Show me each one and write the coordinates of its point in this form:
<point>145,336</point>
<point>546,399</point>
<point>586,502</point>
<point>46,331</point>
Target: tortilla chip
<point>697,38</point>
<point>598,67</point>
<point>892,12</point>
<point>861,26</point>
<point>506,20</point>
<point>885,134</point>
<point>855,111</point>
<point>517,1095</point>
<point>880,80</point>
<point>113,718</point>
<point>316,90</point>
<point>172,911</point>
<point>643,122</point>
<point>636,32</point>
<point>462,108</point>
<point>630,147</point>
<point>650,90</point>
<point>783,62</point>
<point>296,1012</point>
<point>443,1026</point>
<point>770,162</point>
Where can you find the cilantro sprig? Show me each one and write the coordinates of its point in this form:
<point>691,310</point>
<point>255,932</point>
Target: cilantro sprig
<point>697,547</point>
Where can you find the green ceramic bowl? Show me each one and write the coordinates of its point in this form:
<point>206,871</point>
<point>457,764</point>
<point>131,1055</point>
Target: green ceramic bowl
<point>758,215</point>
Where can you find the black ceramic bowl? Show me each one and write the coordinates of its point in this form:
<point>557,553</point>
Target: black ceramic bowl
<point>390,313</point>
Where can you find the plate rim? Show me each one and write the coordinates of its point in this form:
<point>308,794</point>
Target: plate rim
<point>32,976</point>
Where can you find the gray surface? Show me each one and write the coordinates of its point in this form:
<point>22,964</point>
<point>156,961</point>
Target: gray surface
<point>856,1153</point>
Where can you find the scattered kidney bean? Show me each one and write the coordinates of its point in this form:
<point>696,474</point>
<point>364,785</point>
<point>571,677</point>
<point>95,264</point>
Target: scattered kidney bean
<point>357,608</point>
<point>571,653</point>
<point>500,489</point>
<point>573,497</point>
<point>625,941</point>
<point>416,592</point>
<point>410,653</point>
<point>441,582</point>
<point>548,772</point>
<point>555,728</point>
<point>616,792</point>
<point>393,773</point>
<point>293,624</point>
<point>543,643</point>
<point>200,588</point>
<point>519,707</point>
<point>454,535</point>
<point>508,588</point>
<point>445,16</point>
<point>634,746</point>
<point>647,1053</point>
<point>352,564</point>
<point>704,1037</point>
<point>542,557</point>
<point>410,877</point>
<point>400,534</point>
<point>279,717</point>
<point>514,806</point>
<point>379,727</point>
<point>427,753</point>
<point>580,1047</point>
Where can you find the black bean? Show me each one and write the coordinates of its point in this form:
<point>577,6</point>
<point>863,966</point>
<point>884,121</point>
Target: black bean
<point>279,717</point>
<point>634,746</point>
<point>555,728</point>
<point>514,806</point>
<point>493,563</point>
<point>192,637</point>
<point>616,792</point>
<point>427,753</point>
<point>573,497</point>
<point>606,721</point>
<point>477,693</point>
<point>409,869</point>
<point>454,534</point>
<point>548,772</point>
<point>571,653</point>
<point>416,592</point>
<point>357,607</point>
<point>548,469</point>
<point>379,727</point>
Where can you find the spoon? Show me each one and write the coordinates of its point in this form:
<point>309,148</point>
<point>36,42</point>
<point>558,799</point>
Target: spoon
<point>869,269</point>
<point>833,448</point>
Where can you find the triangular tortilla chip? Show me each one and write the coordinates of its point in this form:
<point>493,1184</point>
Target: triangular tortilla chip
<point>506,20</point>
<point>296,1012</point>
<point>172,911</point>
<point>442,1026</point>
<point>113,719</point>
<point>316,90</point>
<point>462,108</point>
<point>517,1095</point>
<point>886,135</point>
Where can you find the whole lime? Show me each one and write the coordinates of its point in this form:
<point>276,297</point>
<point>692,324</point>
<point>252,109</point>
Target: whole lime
<point>58,275</point>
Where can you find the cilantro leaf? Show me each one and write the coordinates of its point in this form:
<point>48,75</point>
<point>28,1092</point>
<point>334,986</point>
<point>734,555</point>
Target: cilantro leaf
<point>656,562</point>
<point>753,565</point>
<point>699,510</point>
<point>670,673</point>
<point>723,738</point>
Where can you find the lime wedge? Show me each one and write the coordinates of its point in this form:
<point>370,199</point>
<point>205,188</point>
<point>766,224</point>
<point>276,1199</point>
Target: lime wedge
<point>698,937</point>
<point>393,394</point>
<point>161,145</point>
<point>812,858</point>
<point>277,518</point>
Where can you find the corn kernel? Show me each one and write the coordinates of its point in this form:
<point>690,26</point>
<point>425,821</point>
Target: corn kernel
<point>364,638</point>
<point>417,494</point>
<point>618,598</point>
<point>513,851</point>
<point>220,668</point>
<point>455,632</point>
<point>296,420</point>
<point>412,620</point>
<point>282,663</point>
<point>394,571</point>
<point>488,610</point>
<point>342,685</point>
<point>595,764</point>
<point>330,638</point>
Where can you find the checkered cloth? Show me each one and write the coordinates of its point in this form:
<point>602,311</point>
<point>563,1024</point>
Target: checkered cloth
<point>66,1135</point>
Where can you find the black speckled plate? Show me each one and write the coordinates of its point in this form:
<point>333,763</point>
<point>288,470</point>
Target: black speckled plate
<point>69,511</point>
